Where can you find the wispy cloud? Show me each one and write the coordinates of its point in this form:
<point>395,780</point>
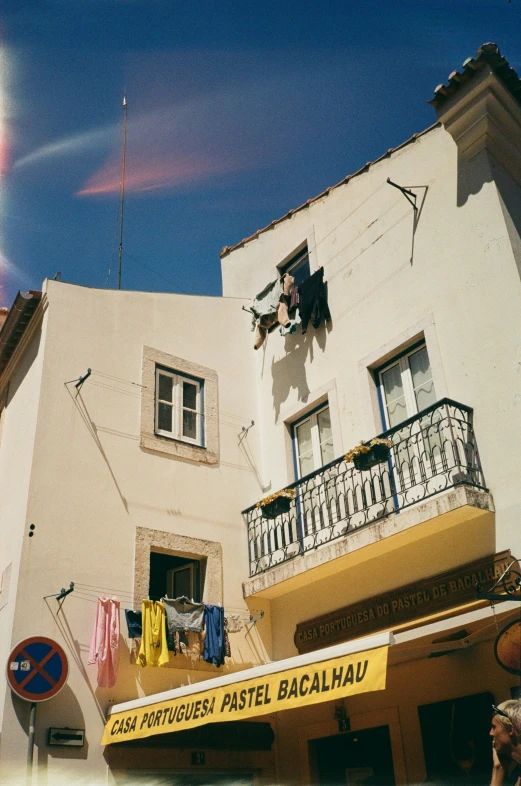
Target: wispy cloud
<point>69,145</point>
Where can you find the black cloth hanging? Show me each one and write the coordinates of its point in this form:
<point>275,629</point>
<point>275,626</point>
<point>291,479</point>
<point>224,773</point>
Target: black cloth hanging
<point>135,630</point>
<point>313,305</point>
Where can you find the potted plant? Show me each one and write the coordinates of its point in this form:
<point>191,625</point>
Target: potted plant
<point>364,456</point>
<point>277,503</point>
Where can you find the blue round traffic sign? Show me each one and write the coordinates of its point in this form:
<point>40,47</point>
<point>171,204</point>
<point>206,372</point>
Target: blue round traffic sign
<point>37,669</point>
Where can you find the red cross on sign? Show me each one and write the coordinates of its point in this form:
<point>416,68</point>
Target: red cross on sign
<point>37,669</point>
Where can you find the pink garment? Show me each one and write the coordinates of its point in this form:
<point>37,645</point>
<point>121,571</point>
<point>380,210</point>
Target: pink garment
<point>104,647</point>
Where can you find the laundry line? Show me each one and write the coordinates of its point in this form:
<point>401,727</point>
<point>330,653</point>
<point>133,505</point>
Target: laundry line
<point>94,590</point>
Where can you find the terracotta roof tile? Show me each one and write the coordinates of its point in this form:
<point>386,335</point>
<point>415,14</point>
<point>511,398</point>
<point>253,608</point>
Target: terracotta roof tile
<point>487,54</point>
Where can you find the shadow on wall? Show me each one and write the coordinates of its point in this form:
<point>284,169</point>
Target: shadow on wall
<point>63,711</point>
<point>472,175</point>
<point>482,169</point>
<point>290,371</point>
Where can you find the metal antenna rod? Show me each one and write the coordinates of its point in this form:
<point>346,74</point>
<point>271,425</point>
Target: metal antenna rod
<point>122,190</point>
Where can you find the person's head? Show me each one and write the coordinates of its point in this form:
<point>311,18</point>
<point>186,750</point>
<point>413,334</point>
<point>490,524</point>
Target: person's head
<point>506,727</point>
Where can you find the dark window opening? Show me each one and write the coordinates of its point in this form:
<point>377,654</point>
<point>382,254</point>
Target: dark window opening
<point>173,577</point>
<point>297,266</point>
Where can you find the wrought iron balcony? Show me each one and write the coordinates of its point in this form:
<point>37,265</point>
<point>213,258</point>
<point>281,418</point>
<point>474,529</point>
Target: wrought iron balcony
<point>430,453</point>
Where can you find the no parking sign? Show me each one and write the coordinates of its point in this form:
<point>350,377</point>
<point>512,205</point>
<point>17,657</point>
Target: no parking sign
<point>37,669</point>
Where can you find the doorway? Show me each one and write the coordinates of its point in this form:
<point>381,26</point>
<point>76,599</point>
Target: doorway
<point>359,758</point>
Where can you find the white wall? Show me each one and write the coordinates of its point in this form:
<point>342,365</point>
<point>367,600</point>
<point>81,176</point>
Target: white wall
<point>462,279</point>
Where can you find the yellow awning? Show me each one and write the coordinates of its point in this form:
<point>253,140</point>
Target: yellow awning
<point>332,673</point>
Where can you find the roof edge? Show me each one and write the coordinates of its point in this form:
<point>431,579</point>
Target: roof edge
<point>487,55</point>
<point>228,249</point>
<point>15,325</point>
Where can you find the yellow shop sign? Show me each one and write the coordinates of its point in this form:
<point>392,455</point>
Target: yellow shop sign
<point>298,687</point>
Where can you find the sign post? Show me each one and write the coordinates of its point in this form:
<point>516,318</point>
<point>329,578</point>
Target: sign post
<point>37,670</point>
<point>30,744</point>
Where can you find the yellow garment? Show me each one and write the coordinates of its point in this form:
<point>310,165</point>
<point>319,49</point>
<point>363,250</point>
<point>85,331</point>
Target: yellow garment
<point>154,649</point>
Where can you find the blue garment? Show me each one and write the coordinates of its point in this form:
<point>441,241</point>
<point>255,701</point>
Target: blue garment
<point>214,642</point>
<point>133,623</point>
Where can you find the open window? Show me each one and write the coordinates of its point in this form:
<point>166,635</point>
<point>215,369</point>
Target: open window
<point>174,577</point>
<point>297,266</point>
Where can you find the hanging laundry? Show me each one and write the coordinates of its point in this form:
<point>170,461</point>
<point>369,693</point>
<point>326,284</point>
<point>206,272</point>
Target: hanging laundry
<point>227,648</point>
<point>287,283</point>
<point>292,325</point>
<point>234,623</point>
<point>104,647</point>
<point>190,645</point>
<point>271,306</point>
<point>294,300</point>
<point>154,648</point>
<point>313,300</point>
<point>261,329</point>
<point>266,302</point>
<point>214,641</point>
<point>184,614</point>
<point>133,619</point>
<point>170,638</point>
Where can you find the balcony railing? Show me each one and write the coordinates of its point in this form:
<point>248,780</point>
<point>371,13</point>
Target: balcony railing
<point>431,452</point>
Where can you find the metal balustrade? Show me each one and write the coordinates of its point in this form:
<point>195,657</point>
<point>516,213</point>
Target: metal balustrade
<point>431,452</point>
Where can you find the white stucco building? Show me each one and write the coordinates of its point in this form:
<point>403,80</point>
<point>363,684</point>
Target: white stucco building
<point>150,471</point>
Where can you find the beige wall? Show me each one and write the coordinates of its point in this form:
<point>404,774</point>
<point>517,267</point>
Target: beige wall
<point>92,486</point>
<point>18,425</point>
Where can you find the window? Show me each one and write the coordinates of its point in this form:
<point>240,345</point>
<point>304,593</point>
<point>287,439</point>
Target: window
<point>174,576</point>
<point>179,407</point>
<point>297,266</point>
<point>179,401</point>
<point>406,386</point>
<point>313,448</point>
<point>313,441</point>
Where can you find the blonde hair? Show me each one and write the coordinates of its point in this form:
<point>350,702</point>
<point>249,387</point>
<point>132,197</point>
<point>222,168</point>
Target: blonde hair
<point>513,709</point>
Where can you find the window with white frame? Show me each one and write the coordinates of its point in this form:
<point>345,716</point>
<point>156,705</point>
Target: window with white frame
<point>406,386</point>
<point>313,441</point>
<point>179,407</point>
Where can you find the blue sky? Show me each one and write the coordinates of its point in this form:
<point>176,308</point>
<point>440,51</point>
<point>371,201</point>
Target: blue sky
<point>238,112</point>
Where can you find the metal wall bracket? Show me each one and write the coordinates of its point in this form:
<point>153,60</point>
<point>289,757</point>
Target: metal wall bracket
<point>405,191</point>
<point>254,621</point>
<point>61,595</point>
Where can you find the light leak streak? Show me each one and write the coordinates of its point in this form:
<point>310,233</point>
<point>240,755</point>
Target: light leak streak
<point>154,173</point>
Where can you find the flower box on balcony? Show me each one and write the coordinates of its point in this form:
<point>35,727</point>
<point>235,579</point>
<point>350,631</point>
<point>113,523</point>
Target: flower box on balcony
<point>365,457</point>
<point>376,455</point>
<point>277,503</point>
